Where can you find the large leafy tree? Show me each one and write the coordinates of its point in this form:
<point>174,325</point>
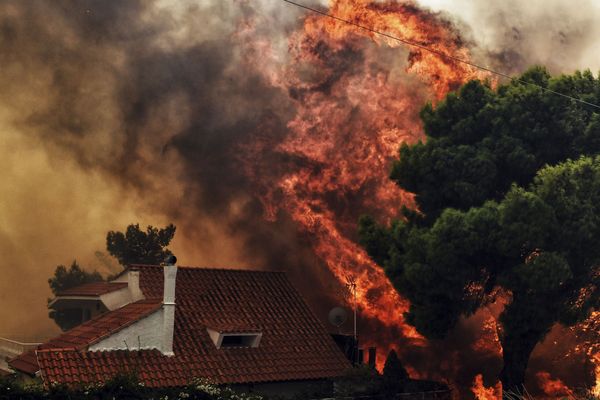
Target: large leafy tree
<point>500,205</point>
<point>138,247</point>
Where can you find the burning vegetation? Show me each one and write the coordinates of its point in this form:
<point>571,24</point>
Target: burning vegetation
<point>278,130</point>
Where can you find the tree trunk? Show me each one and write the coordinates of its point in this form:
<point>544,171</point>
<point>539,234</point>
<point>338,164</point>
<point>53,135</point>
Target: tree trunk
<point>515,354</point>
<point>525,322</point>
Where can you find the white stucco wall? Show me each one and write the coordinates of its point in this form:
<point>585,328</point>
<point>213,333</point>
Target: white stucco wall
<point>116,299</point>
<point>132,278</point>
<point>146,333</point>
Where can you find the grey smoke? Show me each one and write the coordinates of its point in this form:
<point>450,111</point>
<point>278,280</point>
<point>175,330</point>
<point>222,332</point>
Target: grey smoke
<point>114,112</point>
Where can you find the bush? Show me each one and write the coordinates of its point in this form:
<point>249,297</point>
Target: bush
<point>360,380</point>
<point>126,387</point>
<point>395,375</point>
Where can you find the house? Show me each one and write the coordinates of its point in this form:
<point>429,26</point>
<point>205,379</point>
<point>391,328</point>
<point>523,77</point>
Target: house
<point>89,300</point>
<point>248,329</point>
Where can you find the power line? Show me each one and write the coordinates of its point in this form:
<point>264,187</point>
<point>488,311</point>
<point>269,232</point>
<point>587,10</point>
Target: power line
<point>439,53</point>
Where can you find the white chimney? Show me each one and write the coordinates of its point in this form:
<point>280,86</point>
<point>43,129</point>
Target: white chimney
<point>133,284</point>
<point>170,271</point>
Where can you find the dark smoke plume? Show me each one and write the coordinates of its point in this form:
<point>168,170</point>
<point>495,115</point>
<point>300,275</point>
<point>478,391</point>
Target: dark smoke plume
<point>134,111</point>
<point>114,112</point>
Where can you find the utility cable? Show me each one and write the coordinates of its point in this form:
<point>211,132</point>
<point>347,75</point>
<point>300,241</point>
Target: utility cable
<point>439,53</point>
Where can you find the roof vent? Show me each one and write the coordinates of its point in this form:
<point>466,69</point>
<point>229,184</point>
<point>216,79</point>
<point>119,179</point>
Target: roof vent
<point>171,260</point>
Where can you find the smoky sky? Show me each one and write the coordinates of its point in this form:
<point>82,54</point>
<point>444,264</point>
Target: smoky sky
<point>512,35</point>
<point>129,111</point>
<point>116,112</point>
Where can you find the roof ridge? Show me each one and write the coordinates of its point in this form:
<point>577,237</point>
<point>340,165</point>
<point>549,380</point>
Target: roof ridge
<point>99,285</point>
<point>54,349</point>
<point>208,268</point>
<point>109,332</point>
<point>119,328</point>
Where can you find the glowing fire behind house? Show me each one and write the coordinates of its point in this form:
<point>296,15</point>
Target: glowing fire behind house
<point>263,131</point>
<point>353,111</point>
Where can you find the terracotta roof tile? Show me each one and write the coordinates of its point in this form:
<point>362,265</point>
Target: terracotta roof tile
<point>294,344</point>
<point>89,332</point>
<point>93,289</point>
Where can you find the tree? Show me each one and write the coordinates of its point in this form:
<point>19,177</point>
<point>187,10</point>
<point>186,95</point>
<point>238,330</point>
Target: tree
<point>492,213</point>
<point>64,279</point>
<point>394,374</point>
<point>138,247</point>
<point>133,247</point>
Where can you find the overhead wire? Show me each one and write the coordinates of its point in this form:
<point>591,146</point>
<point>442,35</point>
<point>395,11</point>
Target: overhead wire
<point>440,53</point>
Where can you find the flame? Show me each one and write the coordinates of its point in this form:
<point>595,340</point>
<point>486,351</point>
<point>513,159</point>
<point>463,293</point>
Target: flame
<point>351,114</point>
<point>349,123</point>
<point>486,393</point>
<point>551,386</point>
<point>591,329</point>
<point>596,389</point>
<point>489,340</point>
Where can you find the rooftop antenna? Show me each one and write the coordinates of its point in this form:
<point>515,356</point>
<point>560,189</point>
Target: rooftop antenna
<point>351,285</point>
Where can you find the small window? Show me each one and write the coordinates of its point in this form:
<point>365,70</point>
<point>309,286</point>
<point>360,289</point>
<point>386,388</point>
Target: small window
<point>238,340</point>
<point>232,340</point>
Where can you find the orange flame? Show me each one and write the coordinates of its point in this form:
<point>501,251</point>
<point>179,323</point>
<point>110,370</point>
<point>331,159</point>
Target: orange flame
<point>593,325</point>
<point>351,115</point>
<point>596,389</point>
<point>551,386</point>
<point>347,134</point>
<point>486,393</point>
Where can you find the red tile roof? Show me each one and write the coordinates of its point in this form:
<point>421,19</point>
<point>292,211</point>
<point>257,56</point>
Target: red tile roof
<point>294,344</point>
<point>26,362</point>
<point>93,289</point>
<point>89,332</point>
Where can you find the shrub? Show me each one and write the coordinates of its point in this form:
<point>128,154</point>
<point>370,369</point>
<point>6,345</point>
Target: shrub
<point>126,387</point>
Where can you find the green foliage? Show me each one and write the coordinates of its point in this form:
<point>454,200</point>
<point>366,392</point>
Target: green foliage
<point>508,191</point>
<point>125,386</point>
<point>482,141</point>
<point>138,247</point>
<point>132,247</point>
<point>68,278</point>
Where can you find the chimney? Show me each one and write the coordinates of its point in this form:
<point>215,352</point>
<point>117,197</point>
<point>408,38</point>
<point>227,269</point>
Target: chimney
<point>170,271</point>
<point>133,283</point>
<point>361,357</point>
<point>372,357</point>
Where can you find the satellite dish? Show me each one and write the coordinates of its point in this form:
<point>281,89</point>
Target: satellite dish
<point>337,316</point>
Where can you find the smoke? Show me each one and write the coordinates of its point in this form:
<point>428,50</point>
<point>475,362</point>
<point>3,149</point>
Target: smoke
<point>249,127</point>
<point>120,112</point>
<point>513,35</point>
